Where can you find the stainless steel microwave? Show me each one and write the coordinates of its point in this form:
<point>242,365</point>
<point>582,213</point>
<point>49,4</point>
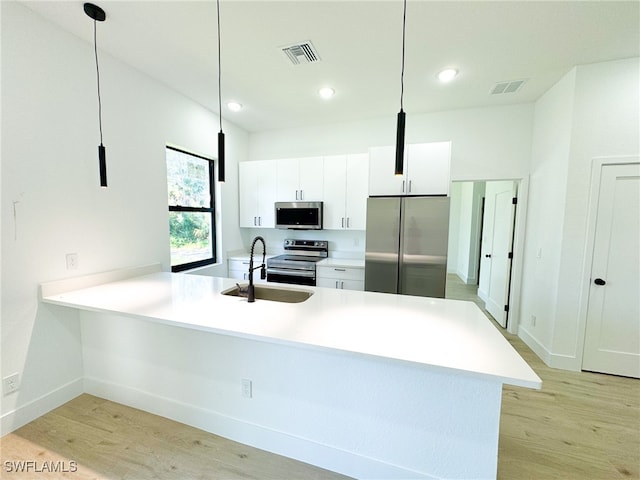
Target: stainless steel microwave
<point>299,215</point>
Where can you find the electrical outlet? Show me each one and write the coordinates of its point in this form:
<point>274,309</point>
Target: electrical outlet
<point>247,388</point>
<point>72,261</point>
<point>10,384</point>
<point>533,320</point>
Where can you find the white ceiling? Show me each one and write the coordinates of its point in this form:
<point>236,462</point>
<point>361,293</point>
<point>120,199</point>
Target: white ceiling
<point>359,43</point>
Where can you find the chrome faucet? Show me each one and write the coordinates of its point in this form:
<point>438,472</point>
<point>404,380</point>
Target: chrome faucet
<point>251,297</point>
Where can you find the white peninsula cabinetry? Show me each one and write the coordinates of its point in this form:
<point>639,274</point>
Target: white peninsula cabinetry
<point>346,191</point>
<point>341,274</point>
<point>182,330</point>
<point>426,170</point>
<point>299,179</point>
<point>257,193</point>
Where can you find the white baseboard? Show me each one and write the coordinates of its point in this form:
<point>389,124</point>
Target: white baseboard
<point>24,414</point>
<point>553,360</point>
<point>281,443</point>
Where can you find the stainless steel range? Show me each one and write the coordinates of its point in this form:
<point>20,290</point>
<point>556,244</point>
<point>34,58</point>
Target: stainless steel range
<point>298,264</point>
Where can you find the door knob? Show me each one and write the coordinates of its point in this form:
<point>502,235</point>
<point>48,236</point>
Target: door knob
<point>599,281</point>
<point>488,255</point>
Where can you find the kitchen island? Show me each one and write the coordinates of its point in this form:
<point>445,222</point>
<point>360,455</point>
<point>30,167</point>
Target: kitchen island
<point>367,384</point>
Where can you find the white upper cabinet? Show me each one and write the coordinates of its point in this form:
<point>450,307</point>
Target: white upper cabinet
<point>426,170</point>
<point>382,181</point>
<point>357,191</point>
<point>257,193</point>
<point>299,179</point>
<point>345,191</point>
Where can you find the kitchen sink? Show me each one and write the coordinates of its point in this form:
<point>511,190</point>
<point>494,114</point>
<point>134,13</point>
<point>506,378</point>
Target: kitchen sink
<point>274,294</point>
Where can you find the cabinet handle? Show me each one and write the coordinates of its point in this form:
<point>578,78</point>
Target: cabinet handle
<point>403,186</point>
<point>340,269</point>
<point>301,194</point>
<point>296,194</point>
<point>259,221</point>
<point>347,222</point>
<point>409,186</point>
<point>336,283</point>
<point>342,222</point>
<point>255,221</point>
<point>342,285</point>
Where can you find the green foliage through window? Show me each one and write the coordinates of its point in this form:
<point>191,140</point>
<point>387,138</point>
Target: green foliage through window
<point>191,219</point>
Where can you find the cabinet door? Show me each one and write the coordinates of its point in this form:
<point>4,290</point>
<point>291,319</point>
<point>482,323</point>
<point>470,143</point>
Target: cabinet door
<point>299,179</point>
<point>382,180</point>
<point>248,193</point>
<point>288,183</point>
<point>334,191</point>
<point>357,191</point>
<point>266,186</point>
<point>326,282</point>
<point>428,168</point>
<point>257,188</point>
<point>311,174</point>
<point>352,285</point>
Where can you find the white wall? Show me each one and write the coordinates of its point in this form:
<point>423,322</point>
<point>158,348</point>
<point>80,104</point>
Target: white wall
<point>487,143</point>
<point>52,204</point>
<point>591,112</point>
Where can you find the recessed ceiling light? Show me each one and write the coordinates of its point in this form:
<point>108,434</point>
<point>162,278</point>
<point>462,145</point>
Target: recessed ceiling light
<point>326,92</point>
<point>447,75</point>
<point>234,106</point>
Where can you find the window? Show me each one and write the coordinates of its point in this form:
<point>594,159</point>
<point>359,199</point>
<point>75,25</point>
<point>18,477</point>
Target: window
<point>190,187</point>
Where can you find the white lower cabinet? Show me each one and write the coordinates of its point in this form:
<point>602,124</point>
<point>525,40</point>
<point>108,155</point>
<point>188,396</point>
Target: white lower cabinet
<point>239,269</point>
<point>347,278</point>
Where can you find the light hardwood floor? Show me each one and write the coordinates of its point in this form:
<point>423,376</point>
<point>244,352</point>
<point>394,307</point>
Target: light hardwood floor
<point>579,426</point>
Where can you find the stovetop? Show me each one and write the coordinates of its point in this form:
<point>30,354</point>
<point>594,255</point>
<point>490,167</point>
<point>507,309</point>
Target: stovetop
<point>301,252</point>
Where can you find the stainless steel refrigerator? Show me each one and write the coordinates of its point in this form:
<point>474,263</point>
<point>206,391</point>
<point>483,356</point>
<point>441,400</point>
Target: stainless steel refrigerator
<point>406,245</point>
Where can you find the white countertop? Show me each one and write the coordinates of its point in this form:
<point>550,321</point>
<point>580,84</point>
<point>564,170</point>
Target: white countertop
<point>449,335</point>
<point>341,262</point>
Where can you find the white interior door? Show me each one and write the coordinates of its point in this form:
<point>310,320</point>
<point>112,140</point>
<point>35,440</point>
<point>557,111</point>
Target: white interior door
<point>612,338</point>
<point>496,248</point>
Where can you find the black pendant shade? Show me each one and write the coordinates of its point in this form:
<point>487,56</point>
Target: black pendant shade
<point>400,143</point>
<point>98,15</point>
<point>220,156</point>
<point>102,160</point>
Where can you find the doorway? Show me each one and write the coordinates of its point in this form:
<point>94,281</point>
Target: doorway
<point>481,238</point>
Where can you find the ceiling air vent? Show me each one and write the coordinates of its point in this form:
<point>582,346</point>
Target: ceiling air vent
<point>507,87</point>
<point>302,52</point>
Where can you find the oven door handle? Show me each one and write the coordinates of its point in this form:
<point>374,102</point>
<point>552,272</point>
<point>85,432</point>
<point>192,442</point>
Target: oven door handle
<point>293,273</point>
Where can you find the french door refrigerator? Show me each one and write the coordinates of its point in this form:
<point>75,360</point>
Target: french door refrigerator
<point>406,245</point>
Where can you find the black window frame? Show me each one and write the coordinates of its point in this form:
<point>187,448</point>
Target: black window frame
<point>211,210</point>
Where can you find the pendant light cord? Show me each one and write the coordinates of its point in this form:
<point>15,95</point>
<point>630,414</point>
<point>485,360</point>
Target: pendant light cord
<point>219,69</point>
<point>404,22</point>
<point>95,49</point>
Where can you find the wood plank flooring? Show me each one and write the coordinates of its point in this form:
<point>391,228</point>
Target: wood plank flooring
<point>100,439</point>
<point>579,426</point>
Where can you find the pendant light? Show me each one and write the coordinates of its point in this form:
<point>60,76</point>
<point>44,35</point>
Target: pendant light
<point>401,114</point>
<point>220,133</point>
<point>98,15</point>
